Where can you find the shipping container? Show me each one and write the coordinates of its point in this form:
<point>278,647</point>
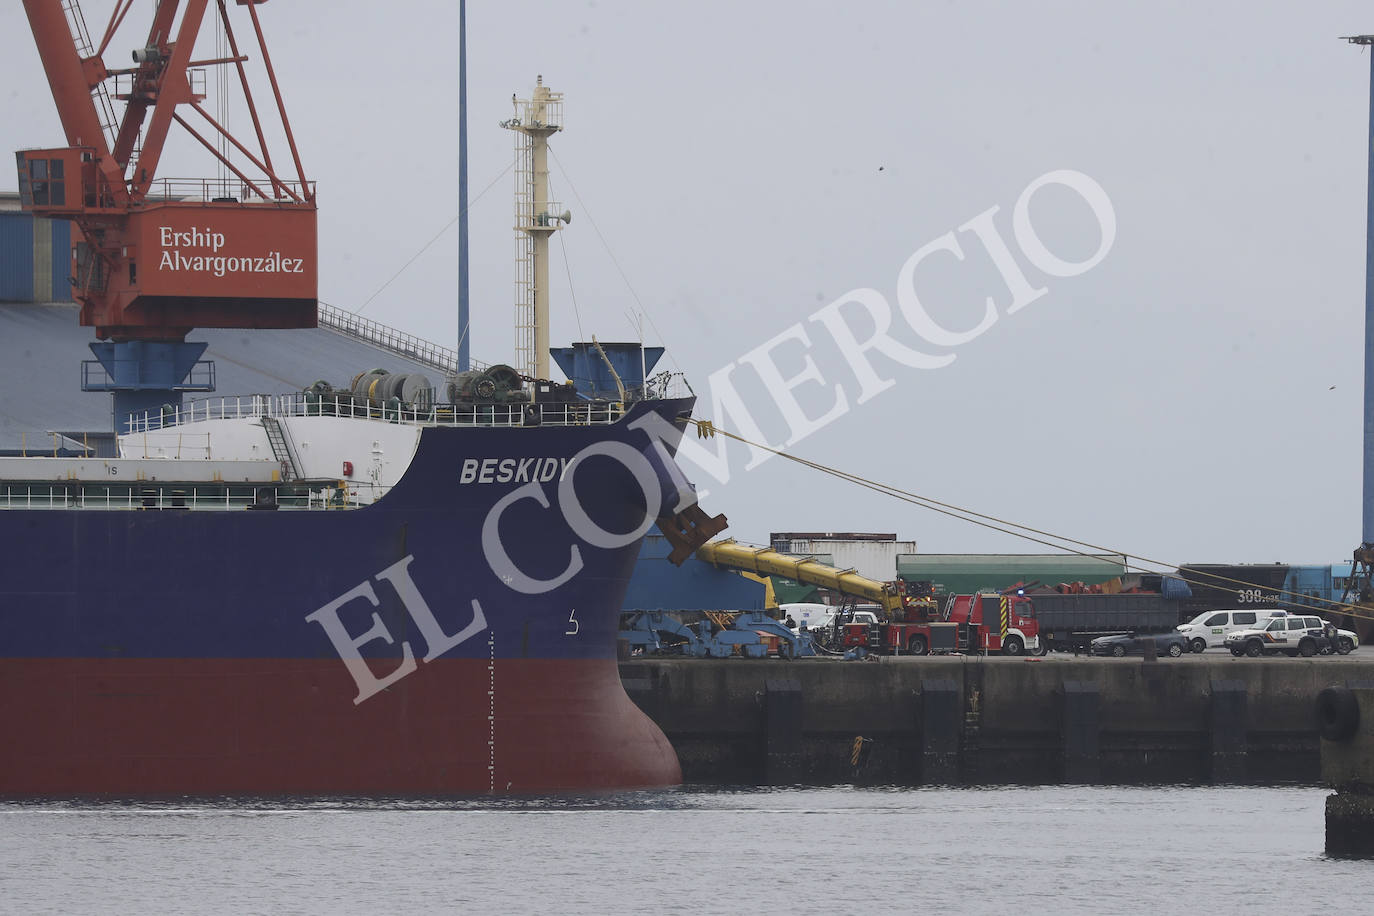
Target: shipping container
<point>872,558</point>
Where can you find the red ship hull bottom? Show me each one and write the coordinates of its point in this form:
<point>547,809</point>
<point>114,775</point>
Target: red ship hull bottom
<point>202,727</point>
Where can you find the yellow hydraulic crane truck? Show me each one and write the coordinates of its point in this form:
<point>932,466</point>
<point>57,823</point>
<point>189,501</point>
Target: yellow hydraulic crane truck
<point>764,561</point>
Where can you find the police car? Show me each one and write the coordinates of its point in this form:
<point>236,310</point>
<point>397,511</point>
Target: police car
<point>1294,634</point>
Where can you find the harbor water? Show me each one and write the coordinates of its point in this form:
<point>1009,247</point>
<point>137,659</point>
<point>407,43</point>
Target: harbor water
<point>1064,849</point>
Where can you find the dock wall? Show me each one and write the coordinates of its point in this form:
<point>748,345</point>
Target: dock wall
<point>975,721</point>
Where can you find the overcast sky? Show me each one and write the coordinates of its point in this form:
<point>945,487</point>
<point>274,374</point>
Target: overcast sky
<point>751,163</point>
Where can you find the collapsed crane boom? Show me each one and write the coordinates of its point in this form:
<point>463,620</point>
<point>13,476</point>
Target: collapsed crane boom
<point>765,561</point>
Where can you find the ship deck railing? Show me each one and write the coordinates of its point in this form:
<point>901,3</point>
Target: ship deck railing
<point>309,404</point>
<point>172,496</point>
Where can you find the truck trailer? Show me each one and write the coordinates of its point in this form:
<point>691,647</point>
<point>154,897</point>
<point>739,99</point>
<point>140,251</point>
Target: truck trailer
<point>1073,621</point>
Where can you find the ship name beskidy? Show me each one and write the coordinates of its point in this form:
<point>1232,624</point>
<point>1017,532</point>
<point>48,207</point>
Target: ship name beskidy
<point>512,470</point>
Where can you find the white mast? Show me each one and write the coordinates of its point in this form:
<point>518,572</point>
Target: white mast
<point>536,218</point>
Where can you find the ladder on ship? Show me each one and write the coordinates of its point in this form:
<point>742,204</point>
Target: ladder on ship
<point>970,743</point>
<point>276,438</point>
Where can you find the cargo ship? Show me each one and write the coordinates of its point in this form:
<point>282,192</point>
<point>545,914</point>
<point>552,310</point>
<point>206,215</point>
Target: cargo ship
<point>374,586</point>
<point>183,619</point>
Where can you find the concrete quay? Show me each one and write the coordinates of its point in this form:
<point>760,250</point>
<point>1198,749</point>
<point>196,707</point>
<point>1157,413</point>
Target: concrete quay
<point>969,720</point>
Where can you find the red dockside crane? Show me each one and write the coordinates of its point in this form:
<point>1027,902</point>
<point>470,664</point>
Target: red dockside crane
<point>153,258</point>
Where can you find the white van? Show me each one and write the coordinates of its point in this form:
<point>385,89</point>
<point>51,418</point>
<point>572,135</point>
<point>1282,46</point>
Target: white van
<point>1209,629</point>
<point>810,616</point>
<point>819,616</point>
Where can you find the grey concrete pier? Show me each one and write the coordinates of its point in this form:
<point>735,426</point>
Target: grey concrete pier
<point>968,720</point>
<point>1344,716</point>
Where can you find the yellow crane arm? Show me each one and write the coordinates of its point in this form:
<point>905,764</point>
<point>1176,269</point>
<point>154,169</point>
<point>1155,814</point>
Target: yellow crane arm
<point>764,561</point>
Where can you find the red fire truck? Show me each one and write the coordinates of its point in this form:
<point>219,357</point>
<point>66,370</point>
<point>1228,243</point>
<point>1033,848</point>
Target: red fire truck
<point>986,622</point>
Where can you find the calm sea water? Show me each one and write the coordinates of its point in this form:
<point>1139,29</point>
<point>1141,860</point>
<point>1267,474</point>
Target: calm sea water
<point>795,851</point>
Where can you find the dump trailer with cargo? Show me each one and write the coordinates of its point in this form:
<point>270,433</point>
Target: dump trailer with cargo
<point>1073,621</point>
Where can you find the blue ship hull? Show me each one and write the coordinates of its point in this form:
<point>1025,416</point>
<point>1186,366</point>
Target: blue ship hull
<point>456,636</point>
